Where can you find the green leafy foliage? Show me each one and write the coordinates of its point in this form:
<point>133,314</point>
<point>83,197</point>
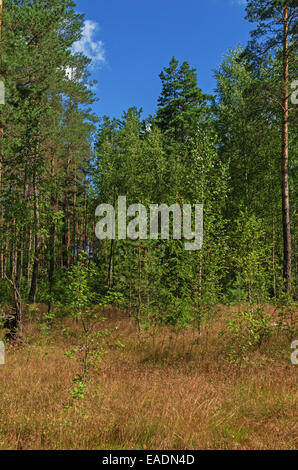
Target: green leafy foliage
<point>247,331</point>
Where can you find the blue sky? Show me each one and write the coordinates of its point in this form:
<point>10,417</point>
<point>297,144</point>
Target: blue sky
<point>131,41</point>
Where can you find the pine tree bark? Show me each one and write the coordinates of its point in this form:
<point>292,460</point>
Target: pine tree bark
<point>66,231</point>
<point>287,271</point>
<point>53,230</point>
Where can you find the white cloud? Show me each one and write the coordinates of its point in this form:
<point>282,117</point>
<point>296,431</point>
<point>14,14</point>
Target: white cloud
<point>88,45</point>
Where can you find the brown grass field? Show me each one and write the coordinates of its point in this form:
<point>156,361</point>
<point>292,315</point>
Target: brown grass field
<point>163,392</point>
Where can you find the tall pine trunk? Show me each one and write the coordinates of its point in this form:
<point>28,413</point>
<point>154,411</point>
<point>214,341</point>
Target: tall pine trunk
<point>287,271</point>
<point>66,231</point>
<point>53,230</point>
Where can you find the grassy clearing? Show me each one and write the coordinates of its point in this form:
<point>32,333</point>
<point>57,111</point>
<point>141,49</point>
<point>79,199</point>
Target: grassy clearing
<point>167,392</point>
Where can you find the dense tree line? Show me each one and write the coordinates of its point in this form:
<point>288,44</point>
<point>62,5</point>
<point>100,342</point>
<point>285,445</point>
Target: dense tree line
<point>234,152</point>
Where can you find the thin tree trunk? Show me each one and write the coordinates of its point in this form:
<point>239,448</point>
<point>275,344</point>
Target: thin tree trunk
<point>75,220</point>
<point>29,256</point>
<point>287,272</point>
<point>85,247</point>
<point>5,250</point>
<point>1,221</point>
<point>66,230</point>
<point>67,214</point>
<point>14,321</point>
<point>111,258</point>
<point>35,270</point>
<point>53,231</point>
<point>2,208</point>
<point>139,312</point>
<point>13,252</point>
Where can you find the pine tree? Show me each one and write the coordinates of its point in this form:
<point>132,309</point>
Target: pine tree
<point>277,25</point>
<point>181,105</point>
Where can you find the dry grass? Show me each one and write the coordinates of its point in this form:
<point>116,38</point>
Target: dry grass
<point>160,394</point>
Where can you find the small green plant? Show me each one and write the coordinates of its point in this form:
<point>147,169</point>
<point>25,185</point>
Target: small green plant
<point>79,387</point>
<point>31,312</point>
<point>2,320</point>
<point>286,317</point>
<point>245,333</point>
<point>47,322</point>
<point>81,298</point>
